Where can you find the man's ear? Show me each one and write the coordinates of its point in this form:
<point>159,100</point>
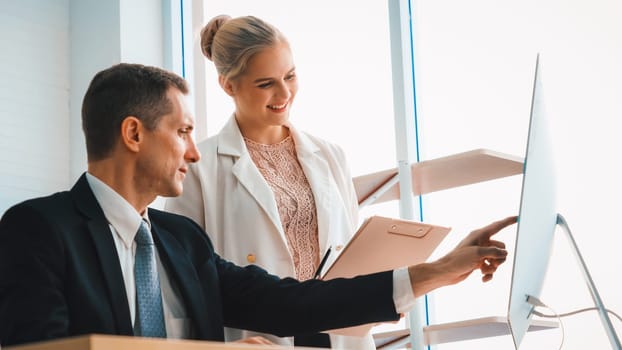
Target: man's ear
<point>132,133</point>
<point>226,85</point>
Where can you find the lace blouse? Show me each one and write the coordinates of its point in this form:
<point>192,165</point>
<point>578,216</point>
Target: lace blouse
<point>278,163</point>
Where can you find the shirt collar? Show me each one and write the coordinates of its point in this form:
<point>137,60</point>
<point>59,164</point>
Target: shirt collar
<point>118,211</point>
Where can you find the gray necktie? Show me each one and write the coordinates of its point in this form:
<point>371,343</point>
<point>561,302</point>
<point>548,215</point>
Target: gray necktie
<point>149,315</point>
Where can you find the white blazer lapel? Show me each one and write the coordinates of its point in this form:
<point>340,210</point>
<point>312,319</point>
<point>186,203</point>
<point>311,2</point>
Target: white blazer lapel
<point>249,176</point>
<point>231,143</point>
<point>317,172</point>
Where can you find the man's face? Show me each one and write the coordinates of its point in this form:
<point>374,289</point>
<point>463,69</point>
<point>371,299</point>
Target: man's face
<point>168,149</point>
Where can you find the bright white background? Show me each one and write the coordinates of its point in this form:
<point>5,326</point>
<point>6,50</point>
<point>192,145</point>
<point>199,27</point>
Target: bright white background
<point>474,64</point>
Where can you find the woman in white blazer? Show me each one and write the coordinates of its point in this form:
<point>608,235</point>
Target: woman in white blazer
<point>243,198</point>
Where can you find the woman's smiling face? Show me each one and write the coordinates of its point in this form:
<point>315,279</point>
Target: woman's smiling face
<point>264,93</point>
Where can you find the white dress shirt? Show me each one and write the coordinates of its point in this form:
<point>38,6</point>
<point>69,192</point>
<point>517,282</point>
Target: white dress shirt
<point>403,296</point>
<point>124,221</point>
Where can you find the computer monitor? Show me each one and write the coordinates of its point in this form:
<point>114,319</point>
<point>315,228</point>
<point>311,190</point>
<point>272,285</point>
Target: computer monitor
<point>537,216</point>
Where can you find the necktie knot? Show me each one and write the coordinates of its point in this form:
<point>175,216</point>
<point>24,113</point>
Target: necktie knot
<point>143,236</point>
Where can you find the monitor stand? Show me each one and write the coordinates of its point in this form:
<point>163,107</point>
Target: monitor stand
<point>604,315</point>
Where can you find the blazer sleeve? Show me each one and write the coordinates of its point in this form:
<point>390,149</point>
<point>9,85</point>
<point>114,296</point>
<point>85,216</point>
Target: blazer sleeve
<point>255,300</point>
<point>32,305</point>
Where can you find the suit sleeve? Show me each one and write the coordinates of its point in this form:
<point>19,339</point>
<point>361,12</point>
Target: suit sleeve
<point>255,300</point>
<point>32,305</point>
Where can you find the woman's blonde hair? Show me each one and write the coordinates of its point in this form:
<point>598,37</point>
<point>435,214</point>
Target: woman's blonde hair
<point>231,42</point>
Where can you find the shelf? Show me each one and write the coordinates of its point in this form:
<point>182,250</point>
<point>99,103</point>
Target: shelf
<point>457,331</point>
<point>438,174</point>
<point>477,328</point>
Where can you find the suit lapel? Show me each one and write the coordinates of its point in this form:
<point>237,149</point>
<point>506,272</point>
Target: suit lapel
<point>249,176</point>
<point>183,273</point>
<point>231,143</point>
<point>107,255</point>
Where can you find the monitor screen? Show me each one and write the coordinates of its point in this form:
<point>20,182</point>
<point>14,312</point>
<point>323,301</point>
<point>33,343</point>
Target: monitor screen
<point>537,217</point>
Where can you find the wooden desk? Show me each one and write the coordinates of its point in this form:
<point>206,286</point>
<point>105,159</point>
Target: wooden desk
<point>114,342</point>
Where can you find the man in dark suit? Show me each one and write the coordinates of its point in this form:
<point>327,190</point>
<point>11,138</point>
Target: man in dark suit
<point>67,260</point>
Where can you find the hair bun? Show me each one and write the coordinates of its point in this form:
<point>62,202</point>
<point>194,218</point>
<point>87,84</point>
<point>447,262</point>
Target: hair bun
<point>209,31</point>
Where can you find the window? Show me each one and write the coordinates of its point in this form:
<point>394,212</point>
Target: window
<point>343,65</point>
<point>475,63</point>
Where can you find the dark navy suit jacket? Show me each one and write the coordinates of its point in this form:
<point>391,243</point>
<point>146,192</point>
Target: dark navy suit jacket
<point>60,276</point>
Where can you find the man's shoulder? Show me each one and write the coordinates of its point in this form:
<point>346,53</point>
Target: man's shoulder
<point>37,213</point>
<point>174,222</point>
<point>167,216</point>
<point>50,203</point>
<point>185,230</point>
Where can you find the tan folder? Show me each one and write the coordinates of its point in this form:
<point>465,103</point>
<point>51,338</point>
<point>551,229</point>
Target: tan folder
<point>383,244</point>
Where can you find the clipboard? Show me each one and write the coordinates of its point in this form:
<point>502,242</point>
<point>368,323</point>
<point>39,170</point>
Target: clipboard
<point>381,244</point>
